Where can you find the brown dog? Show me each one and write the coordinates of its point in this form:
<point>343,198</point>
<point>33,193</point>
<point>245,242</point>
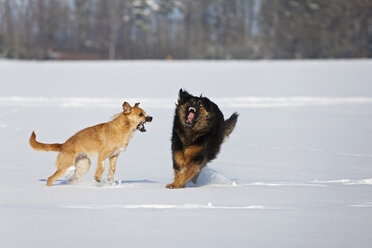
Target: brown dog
<point>106,140</point>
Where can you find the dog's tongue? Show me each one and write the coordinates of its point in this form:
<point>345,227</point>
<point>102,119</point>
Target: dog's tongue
<point>190,117</point>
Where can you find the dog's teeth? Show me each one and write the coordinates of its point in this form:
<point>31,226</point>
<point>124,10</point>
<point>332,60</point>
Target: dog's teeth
<point>192,109</point>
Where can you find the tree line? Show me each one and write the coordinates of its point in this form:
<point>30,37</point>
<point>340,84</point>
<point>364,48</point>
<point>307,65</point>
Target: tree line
<point>185,29</point>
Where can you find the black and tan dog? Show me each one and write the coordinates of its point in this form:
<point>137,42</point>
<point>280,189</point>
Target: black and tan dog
<point>199,129</point>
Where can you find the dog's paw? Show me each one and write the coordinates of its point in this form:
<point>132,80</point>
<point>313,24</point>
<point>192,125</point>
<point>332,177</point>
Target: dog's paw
<point>98,179</point>
<point>172,186</point>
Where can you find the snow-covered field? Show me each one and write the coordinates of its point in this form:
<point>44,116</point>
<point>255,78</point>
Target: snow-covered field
<point>296,172</point>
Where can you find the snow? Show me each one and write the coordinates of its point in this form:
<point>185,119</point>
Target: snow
<point>296,171</point>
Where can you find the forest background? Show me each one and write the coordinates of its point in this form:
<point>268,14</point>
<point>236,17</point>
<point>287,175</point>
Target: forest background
<point>188,29</point>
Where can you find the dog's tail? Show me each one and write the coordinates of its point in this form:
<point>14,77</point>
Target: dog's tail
<point>44,147</point>
<point>230,125</point>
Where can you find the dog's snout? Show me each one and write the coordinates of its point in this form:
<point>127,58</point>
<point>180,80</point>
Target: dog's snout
<point>193,103</point>
<point>148,118</point>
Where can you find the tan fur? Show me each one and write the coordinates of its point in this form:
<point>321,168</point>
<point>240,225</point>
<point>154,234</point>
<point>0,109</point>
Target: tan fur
<point>184,158</point>
<point>192,172</point>
<point>106,140</point>
<point>203,123</point>
<point>44,147</point>
<point>187,170</point>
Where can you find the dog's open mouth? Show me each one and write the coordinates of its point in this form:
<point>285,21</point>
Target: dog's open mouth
<point>141,126</point>
<point>191,116</point>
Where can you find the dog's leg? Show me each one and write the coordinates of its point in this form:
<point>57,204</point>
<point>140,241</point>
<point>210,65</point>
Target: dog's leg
<point>63,162</point>
<point>82,165</point>
<point>100,168</point>
<point>112,169</point>
<point>54,177</point>
<point>183,176</point>
<point>194,179</point>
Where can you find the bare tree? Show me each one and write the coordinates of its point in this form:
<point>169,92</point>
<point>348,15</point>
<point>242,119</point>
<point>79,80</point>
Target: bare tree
<point>187,29</point>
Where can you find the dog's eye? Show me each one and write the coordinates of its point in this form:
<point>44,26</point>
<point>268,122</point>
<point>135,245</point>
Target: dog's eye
<point>200,104</point>
<point>140,114</point>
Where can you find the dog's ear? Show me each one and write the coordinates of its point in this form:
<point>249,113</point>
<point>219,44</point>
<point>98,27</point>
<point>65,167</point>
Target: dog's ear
<point>136,105</point>
<point>127,109</point>
<point>183,95</point>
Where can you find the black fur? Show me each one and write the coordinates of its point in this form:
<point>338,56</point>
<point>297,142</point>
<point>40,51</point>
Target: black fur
<point>207,130</point>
